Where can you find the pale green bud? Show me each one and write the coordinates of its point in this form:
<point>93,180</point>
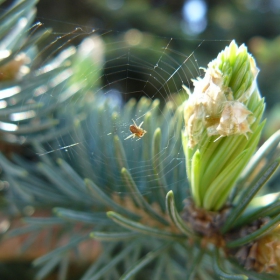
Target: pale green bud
<point>222,123</point>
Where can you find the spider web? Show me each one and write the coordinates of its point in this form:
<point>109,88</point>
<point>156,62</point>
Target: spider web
<point>124,66</point>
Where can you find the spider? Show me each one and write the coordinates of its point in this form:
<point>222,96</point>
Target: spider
<point>136,131</point>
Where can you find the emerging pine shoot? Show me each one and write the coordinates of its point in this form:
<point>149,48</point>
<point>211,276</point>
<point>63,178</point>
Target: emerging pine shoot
<point>222,130</point>
<point>222,126</point>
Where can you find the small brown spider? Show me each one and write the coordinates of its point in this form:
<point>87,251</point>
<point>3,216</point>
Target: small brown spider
<point>136,131</point>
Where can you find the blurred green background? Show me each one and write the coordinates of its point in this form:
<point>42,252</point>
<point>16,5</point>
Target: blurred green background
<point>189,22</point>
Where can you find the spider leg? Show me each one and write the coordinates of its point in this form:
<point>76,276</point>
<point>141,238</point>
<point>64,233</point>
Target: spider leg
<point>140,124</point>
<point>130,136</point>
<point>134,122</point>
